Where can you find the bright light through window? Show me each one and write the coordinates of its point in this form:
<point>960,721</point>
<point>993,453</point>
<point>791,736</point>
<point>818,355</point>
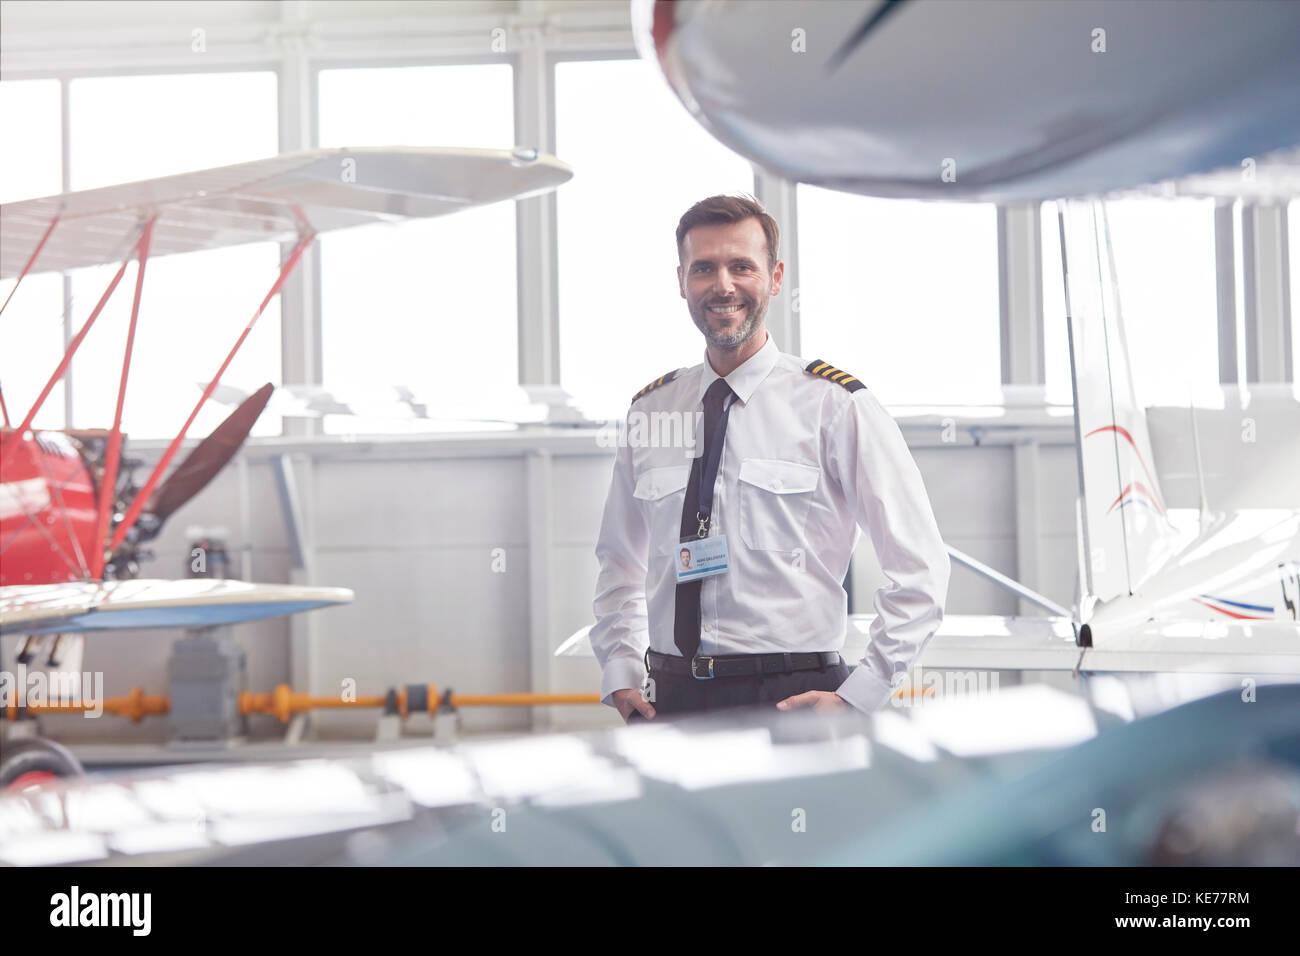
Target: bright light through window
<point>639,162</point>
<point>902,293</point>
<point>1164,263</point>
<point>30,164</point>
<point>31,328</point>
<point>1293,247</point>
<point>193,309</point>
<point>1056,336</point>
<point>128,128</point>
<point>429,305</point>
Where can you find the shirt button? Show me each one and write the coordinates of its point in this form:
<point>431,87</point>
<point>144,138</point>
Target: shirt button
<point>776,482</point>
<point>653,491</point>
<point>708,627</point>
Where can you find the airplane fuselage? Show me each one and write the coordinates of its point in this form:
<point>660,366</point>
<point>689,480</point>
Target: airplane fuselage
<point>47,510</point>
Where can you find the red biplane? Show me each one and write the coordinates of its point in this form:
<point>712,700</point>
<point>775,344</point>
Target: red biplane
<point>72,518</point>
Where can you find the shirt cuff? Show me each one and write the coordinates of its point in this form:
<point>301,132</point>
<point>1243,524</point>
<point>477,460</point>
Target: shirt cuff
<point>865,690</point>
<point>620,673</point>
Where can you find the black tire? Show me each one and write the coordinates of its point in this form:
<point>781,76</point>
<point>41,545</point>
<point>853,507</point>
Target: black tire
<point>34,755</point>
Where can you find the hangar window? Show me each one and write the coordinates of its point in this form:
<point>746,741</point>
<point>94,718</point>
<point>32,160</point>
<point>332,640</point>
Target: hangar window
<point>903,293</point>
<point>428,305</point>
<point>194,306</point>
<point>1056,336</point>
<point>1293,243</point>
<point>639,162</point>
<point>1165,267</point>
<point>30,167</point>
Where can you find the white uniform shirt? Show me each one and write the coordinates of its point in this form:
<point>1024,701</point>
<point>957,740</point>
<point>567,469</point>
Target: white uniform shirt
<point>805,462</point>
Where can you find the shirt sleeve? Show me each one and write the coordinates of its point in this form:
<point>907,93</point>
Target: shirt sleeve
<point>884,488</point>
<point>621,634</point>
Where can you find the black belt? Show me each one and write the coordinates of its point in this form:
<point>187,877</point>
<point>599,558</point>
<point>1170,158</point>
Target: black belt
<point>739,665</point>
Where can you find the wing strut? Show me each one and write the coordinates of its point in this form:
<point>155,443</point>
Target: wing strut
<point>108,480</point>
<point>119,535</point>
<point>71,351</point>
<point>27,267</point>
<point>1000,579</point>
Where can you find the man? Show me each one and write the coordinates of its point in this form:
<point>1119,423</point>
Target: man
<point>791,458</point>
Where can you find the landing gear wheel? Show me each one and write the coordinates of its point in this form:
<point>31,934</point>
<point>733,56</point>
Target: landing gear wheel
<point>33,762</point>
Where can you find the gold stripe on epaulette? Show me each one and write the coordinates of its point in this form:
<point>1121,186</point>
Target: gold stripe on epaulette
<point>660,381</point>
<point>832,374</point>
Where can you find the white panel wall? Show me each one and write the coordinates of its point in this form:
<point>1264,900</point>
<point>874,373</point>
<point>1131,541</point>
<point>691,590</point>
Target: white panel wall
<point>412,528</point>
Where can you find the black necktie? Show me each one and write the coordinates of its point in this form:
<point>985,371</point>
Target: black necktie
<point>697,509</point>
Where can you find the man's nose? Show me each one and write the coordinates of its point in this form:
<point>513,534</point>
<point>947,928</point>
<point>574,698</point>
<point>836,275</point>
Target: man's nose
<point>725,284</point>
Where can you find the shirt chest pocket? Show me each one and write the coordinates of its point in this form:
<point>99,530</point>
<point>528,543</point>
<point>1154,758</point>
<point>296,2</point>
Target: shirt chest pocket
<point>661,492</point>
<point>775,497</point>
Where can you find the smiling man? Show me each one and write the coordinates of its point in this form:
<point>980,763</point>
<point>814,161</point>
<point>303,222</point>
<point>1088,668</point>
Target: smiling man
<point>722,564</point>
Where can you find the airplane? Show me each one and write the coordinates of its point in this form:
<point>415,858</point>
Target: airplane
<point>1174,104</point>
<point>72,518</point>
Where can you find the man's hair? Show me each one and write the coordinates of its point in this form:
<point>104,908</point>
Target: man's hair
<point>717,210</point>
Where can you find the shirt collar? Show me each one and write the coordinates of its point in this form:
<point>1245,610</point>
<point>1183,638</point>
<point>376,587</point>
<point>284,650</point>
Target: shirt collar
<point>745,379</point>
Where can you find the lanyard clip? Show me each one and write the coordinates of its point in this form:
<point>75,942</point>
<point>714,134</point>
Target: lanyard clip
<point>704,525</point>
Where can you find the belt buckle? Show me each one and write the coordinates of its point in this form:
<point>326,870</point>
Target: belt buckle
<point>695,669</point>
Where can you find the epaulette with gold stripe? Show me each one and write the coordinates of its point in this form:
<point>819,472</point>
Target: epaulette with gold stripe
<point>831,373</point>
<point>661,380</point>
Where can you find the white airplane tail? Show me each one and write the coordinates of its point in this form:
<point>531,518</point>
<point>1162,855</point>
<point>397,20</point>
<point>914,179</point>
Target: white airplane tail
<point>1126,532</point>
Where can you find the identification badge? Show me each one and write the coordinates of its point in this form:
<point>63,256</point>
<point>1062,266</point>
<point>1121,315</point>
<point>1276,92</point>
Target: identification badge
<point>701,558</point>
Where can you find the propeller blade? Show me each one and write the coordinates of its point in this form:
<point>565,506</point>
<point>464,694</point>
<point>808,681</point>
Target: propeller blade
<point>202,464</point>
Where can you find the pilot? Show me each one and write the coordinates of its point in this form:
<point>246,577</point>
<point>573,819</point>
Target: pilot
<point>791,459</point>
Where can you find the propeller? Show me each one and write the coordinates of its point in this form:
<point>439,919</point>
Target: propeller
<point>202,464</point>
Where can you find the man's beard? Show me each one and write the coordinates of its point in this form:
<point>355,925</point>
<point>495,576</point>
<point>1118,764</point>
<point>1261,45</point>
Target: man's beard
<point>754,313</point>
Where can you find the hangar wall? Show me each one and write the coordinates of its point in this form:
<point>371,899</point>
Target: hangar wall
<point>412,526</point>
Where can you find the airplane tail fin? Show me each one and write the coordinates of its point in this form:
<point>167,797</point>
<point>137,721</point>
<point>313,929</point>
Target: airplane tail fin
<point>1126,530</point>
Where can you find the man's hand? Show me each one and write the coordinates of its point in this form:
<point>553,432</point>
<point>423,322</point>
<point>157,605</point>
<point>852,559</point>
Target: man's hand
<point>629,699</point>
<point>816,699</point>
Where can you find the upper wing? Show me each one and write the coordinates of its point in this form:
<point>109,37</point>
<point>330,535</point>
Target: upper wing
<point>273,199</point>
<point>121,605</point>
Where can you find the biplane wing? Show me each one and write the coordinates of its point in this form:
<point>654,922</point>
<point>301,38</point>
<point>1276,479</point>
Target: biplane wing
<point>81,606</point>
<point>275,199</point>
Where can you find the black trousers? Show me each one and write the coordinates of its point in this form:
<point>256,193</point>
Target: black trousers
<point>674,695</point>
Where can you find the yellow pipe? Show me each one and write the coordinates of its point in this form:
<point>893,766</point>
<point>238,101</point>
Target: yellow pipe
<point>136,705</point>
<point>914,692</point>
<point>519,700</point>
<point>282,703</point>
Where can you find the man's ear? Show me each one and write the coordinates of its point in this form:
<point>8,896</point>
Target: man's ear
<point>680,286</point>
<point>777,275</point>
